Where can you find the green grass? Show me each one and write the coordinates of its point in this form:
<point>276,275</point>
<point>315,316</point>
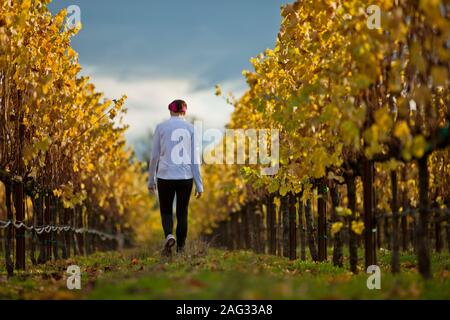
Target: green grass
<point>203,273</point>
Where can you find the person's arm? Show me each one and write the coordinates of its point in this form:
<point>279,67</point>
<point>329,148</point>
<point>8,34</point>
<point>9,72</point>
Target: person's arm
<point>195,165</point>
<point>154,159</point>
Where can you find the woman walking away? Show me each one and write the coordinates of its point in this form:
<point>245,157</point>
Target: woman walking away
<point>174,167</point>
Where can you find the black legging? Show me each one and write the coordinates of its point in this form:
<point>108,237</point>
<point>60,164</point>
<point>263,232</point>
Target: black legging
<point>166,191</point>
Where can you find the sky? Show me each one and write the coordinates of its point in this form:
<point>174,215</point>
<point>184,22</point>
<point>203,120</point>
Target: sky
<point>156,51</point>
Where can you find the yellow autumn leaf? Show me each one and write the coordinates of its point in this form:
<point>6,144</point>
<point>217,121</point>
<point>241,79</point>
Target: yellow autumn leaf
<point>90,167</point>
<point>402,131</point>
<point>336,227</point>
<point>358,227</point>
<point>440,76</point>
<point>343,212</point>
<point>57,193</point>
<point>218,91</point>
<point>419,146</point>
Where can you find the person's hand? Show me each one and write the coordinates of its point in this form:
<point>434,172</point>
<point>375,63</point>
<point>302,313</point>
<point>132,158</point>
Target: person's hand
<point>198,195</point>
<point>152,189</point>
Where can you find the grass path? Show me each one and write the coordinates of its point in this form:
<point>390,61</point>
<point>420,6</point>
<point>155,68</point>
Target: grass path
<point>204,273</point>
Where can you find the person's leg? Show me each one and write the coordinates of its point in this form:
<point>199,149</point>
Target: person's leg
<point>166,194</point>
<point>184,190</point>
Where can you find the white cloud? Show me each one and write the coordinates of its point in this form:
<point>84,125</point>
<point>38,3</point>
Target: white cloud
<point>149,97</point>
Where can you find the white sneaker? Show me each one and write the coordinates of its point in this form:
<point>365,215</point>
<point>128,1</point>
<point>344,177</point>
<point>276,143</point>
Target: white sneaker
<point>170,242</point>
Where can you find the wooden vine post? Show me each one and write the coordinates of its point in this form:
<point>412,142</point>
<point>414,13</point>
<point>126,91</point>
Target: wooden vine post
<point>301,227</point>
<point>9,231</point>
<point>322,220</point>
<point>310,231</point>
<point>19,201</point>
<point>423,249</point>
<point>271,225</point>
<point>292,227</point>
<point>369,225</point>
<point>395,263</point>
<point>338,256</point>
<point>285,223</point>
<point>353,246</point>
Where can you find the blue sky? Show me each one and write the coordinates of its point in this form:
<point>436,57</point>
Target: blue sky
<point>155,51</point>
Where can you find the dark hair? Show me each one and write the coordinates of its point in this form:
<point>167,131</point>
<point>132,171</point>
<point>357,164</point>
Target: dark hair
<point>178,106</point>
